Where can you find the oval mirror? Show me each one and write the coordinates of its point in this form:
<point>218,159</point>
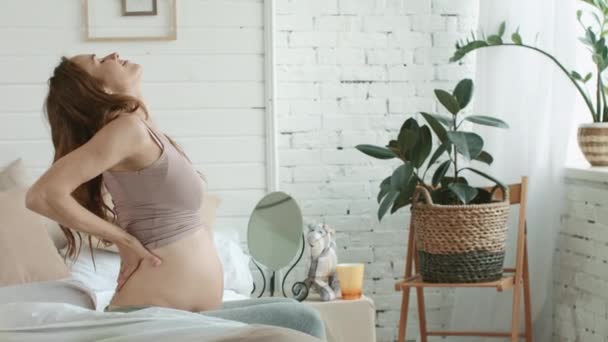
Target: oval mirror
<point>274,232</point>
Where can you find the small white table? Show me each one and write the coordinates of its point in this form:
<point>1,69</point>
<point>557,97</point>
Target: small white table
<point>347,320</point>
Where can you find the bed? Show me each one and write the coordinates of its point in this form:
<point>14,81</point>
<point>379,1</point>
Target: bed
<point>70,310</point>
<point>44,299</point>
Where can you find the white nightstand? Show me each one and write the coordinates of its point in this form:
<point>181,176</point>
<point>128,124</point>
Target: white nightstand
<point>347,320</point>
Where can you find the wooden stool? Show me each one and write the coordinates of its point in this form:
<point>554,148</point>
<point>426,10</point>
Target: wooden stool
<point>516,278</point>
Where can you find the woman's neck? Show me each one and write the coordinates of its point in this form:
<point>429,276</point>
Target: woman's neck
<point>135,92</point>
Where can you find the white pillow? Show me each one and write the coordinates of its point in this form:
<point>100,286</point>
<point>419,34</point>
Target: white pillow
<point>101,278</point>
<point>54,291</point>
<point>237,275</point>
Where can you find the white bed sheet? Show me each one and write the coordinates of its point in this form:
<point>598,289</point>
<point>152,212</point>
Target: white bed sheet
<point>56,291</point>
<point>29,322</point>
<point>71,291</point>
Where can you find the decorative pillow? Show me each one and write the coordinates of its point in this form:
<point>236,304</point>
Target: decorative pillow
<point>102,276</point>
<point>55,232</point>
<point>14,175</point>
<point>27,253</point>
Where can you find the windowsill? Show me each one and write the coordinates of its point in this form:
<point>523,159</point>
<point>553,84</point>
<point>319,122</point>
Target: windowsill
<point>588,173</point>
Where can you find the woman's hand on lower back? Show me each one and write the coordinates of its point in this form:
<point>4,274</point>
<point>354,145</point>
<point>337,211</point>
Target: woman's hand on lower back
<point>131,258</point>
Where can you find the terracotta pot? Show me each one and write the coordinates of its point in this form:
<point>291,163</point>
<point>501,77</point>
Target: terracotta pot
<point>593,142</point>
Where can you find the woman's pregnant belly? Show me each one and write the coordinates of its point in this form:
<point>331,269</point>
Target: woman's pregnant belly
<point>189,278</point>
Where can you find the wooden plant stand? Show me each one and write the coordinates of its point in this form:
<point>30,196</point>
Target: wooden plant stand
<point>516,278</point>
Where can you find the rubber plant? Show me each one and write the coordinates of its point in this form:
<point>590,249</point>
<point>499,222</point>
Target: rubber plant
<point>414,147</point>
<point>594,40</point>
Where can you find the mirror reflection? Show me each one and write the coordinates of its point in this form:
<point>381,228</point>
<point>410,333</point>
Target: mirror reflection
<point>275,230</point>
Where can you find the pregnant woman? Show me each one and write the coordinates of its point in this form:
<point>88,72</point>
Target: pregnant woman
<point>104,138</point>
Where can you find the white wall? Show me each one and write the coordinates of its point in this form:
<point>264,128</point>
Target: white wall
<point>205,89</point>
<point>350,72</point>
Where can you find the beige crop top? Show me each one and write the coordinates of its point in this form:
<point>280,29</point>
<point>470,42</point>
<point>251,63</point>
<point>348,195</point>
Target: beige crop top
<point>160,203</point>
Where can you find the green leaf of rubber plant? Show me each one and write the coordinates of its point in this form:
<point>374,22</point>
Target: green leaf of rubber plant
<point>463,92</point>
<point>440,172</point>
<point>468,144</point>
<point>423,147</point>
<point>446,121</point>
<point>406,140</point>
<point>376,151</point>
<point>385,187</point>
<point>487,121</point>
<point>438,152</point>
<point>405,196</point>
<point>436,127</point>
<point>448,101</point>
<point>499,183</point>
<point>401,176</point>
<point>464,192</point>
<point>576,75</point>
<point>408,135</point>
<point>410,123</point>
<point>449,180</point>
<point>485,157</point>
<point>444,196</point>
<point>386,203</point>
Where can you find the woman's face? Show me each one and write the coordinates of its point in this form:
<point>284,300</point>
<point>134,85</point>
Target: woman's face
<point>118,75</point>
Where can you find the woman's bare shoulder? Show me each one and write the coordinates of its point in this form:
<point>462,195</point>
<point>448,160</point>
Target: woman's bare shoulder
<point>129,125</point>
<point>117,140</point>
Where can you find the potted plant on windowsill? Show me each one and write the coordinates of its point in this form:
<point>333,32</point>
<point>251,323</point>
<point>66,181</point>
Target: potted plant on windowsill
<point>460,230</point>
<point>592,137</point>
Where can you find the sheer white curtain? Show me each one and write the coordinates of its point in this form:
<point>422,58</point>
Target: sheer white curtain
<point>542,108</point>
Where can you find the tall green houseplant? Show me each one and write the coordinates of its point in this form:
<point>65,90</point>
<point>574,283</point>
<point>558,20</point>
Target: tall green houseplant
<point>592,138</point>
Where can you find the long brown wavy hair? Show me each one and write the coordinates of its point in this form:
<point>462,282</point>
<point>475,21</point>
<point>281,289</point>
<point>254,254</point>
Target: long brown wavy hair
<point>77,107</point>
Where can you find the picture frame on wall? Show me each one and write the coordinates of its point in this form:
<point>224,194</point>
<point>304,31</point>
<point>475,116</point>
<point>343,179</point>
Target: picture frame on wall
<point>139,7</point>
<point>130,20</point>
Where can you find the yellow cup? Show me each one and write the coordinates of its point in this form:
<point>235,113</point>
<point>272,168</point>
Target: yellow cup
<point>350,277</point>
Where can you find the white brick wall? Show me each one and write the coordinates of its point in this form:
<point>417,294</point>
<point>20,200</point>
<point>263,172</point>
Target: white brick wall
<point>350,72</point>
<point>581,264</point>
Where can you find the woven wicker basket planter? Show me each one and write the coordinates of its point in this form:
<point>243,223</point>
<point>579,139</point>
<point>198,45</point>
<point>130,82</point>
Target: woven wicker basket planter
<point>460,243</point>
<point>593,142</point>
